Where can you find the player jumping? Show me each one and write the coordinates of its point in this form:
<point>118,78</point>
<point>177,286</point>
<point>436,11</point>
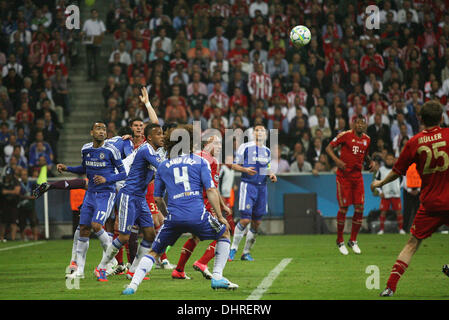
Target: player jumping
<point>183,178</point>
<point>99,161</point>
<point>133,208</point>
<point>350,191</point>
<point>429,149</point>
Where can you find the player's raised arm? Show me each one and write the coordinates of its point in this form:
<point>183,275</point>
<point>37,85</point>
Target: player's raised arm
<point>146,101</point>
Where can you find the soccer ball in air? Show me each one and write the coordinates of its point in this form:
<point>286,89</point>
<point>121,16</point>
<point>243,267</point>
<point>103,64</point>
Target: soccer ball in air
<point>300,36</point>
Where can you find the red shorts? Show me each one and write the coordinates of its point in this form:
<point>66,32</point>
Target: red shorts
<point>150,199</point>
<point>426,223</point>
<point>350,191</point>
<point>394,203</point>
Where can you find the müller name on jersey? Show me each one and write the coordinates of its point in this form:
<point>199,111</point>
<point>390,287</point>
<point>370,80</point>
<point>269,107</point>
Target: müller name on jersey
<point>425,139</point>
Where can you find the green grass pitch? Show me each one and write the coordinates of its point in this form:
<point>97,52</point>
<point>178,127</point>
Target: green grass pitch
<point>317,271</point>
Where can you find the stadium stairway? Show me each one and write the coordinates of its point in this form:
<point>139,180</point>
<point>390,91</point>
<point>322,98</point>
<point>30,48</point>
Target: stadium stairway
<point>85,96</point>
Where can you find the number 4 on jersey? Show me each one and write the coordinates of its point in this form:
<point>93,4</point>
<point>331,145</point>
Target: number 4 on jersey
<point>184,178</point>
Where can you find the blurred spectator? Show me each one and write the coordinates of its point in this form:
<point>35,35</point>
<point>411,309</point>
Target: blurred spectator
<point>10,193</point>
<point>300,164</point>
<point>26,207</point>
<point>93,30</point>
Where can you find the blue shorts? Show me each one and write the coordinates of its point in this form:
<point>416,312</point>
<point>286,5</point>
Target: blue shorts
<point>207,228</point>
<point>252,201</point>
<point>133,211</point>
<point>97,206</point>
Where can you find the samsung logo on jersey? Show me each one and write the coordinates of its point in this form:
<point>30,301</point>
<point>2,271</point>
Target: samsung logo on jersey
<point>95,164</point>
<point>260,159</point>
<point>180,160</point>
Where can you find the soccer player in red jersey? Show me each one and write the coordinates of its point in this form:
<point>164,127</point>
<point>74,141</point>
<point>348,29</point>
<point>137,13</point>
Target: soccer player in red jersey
<point>350,190</point>
<point>212,148</point>
<point>429,149</point>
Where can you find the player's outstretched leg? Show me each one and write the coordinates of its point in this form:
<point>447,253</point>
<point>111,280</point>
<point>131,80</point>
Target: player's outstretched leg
<point>60,185</point>
<point>341,219</point>
<point>145,265</point>
<point>401,265</point>
<point>221,256</point>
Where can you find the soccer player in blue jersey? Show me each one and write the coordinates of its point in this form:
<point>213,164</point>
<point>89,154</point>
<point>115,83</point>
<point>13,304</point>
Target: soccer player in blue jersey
<point>253,190</point>
<point>99,162</point>
<point>183,177</point>
<point>133,208</point>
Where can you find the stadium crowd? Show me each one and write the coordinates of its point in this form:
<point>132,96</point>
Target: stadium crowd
<point>36,55</point>
<point>230,64</point>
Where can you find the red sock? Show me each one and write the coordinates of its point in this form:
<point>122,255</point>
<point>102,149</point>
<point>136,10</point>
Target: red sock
<point>163,256</point>
<point>119,255</point>
<point>186,251</point>
<point>356,224</point>
<point>398,270</point>
<point>382,219</point>
<point>400,220</point>
<point>341,219</point>
<point>208,254</point>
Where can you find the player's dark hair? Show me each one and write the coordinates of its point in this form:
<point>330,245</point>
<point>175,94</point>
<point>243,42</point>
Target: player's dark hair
<point>431,113</point>
<point>169,144</point>
<point>131,121</point>
<point>123,131</point>
<point>95,122</point>
<point>150,127</point>
<point>359,117</point>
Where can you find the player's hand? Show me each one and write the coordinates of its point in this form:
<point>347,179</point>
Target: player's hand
<point>61,167</point>
<point>340,164</point>
<point>227,210</point>
<point>99,179</point>
<point>381,195</point>
<point>127,137</point>
<point>250,171</point>
<point>273,178</point>
<point>376,184</point>
<point>225,222</point>
<point>144,95</point>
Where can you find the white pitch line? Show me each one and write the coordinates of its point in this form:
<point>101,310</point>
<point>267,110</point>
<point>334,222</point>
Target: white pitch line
<point>268,280</point>
<point>22,245</point>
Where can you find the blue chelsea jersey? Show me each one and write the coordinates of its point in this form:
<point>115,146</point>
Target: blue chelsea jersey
<point>142,170</point>
<point>183,178</point>
<point>251,155</point>
<point>125,147</point>
<point>100,161</point>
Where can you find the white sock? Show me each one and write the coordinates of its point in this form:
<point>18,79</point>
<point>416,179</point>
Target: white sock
<point>111,252</point>
<point>81,251</point>
<point>145,265</point>
<point>76,235</point>
<point>222,249</point>
<point>144,248</point>
<point>250,239</point>
<point>104,238</point>
<point>238,235</point>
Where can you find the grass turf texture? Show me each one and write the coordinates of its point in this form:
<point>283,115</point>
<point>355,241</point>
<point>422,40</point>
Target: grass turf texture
<point>317,271</point>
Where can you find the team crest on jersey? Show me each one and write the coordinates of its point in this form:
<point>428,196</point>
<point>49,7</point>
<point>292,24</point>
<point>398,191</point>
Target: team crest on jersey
<point>101,155</point>
<point>364,143</point>
<point>217,177</point>
<point>248,206</point>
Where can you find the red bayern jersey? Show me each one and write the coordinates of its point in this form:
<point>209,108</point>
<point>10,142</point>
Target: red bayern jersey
<point>353,152</point>
<point>214,166</point>
<point>429,149</point>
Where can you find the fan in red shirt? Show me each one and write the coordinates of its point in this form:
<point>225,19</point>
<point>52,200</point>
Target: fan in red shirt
<point>429,150</point>
<point>211,148</point>
<point>350,190</point>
